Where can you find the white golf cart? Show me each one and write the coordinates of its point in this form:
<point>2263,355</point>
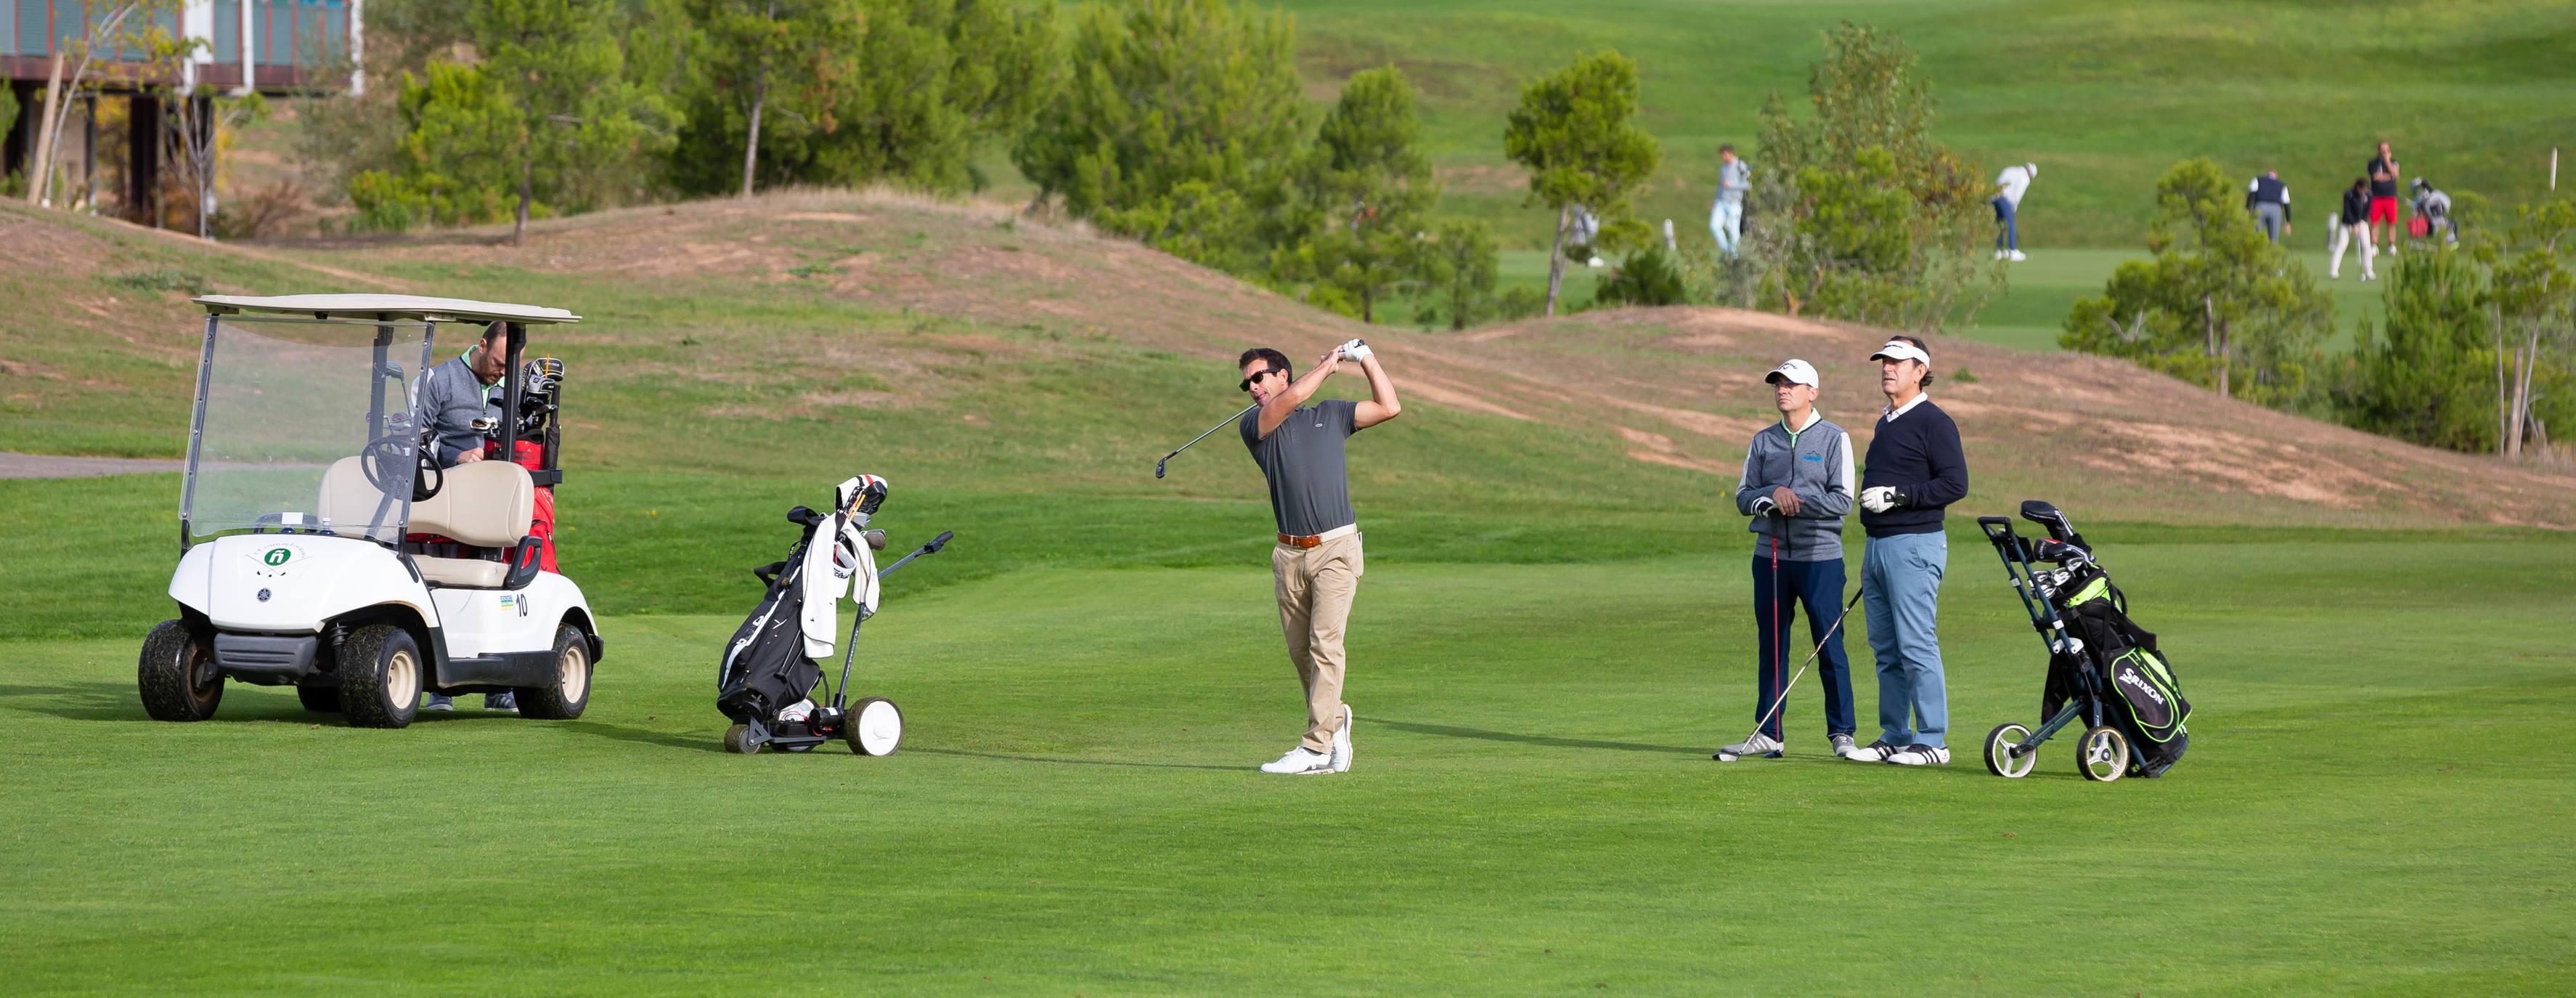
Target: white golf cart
<point>323,546</point>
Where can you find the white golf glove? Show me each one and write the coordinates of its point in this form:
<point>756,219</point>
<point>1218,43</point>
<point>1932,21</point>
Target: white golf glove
<point>1878,498</point>
<point>1355,350</point>
<point>1764,506</point>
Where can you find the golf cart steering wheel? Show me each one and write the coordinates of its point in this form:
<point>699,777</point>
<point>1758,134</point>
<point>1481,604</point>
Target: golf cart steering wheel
<point>427,478</point>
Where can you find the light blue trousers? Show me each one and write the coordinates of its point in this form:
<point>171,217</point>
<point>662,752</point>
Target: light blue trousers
<point>1902,576</point>
<point>1726,222</point>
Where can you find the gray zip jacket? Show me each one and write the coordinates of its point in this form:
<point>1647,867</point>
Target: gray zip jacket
<point>1816,464</point>
<point>450,398</point>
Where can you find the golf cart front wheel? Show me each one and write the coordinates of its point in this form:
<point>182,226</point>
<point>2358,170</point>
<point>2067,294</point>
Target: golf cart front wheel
<point>380,676</point>
<point>177,676</point>
<point>563,699</point>
<point>738,740</point>
<point>874,727</point>
<point>2103,755</point>
<point>2005,756</point>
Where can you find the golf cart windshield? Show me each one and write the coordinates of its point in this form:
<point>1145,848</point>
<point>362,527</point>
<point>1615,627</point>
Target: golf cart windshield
<point>305,426</point>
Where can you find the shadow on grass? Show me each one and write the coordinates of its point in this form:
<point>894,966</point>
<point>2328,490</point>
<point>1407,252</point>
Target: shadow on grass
<point>119,702</point>
<point>1074,762</point>
<point>643,736</point>
<point>1453,731</point>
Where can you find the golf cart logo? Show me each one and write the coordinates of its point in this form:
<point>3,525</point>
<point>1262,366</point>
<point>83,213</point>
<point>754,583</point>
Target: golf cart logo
<point>275,561</point>
<point>511,602</point>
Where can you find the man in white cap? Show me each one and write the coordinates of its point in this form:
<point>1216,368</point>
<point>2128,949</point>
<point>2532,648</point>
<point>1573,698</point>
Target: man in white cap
<point>1797,486</point>
<point>2010,185</point>
<point>1915,469</point>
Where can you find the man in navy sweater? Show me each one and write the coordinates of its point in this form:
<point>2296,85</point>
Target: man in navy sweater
<point>1915,469</point>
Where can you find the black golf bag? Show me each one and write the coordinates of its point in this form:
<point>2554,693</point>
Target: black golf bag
<point>2145,700</point>
<point>765,667</point>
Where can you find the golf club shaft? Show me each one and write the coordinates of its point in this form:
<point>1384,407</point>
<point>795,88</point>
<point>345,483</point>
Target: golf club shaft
<point>1811,660</point>
<point>1176,451</point>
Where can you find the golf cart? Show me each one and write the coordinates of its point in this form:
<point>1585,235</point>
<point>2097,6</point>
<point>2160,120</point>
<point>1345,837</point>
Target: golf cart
<point>324,548</point>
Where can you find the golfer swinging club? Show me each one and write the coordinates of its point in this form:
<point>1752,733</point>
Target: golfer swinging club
<point>1316,565</point>
<point>1797,486</point>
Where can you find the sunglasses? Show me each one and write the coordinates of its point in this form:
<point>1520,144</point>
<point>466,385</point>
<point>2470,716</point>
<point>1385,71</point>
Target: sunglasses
<point>1246,384</point>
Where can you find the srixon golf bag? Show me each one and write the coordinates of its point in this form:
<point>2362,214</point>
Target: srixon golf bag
<point>771,662</point>
<point>2146,702</point>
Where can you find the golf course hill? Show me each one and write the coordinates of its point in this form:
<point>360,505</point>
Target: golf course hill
<point>798,336</point>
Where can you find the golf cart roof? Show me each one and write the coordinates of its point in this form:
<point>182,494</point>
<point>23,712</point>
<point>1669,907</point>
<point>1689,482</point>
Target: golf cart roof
<point>392,306</point>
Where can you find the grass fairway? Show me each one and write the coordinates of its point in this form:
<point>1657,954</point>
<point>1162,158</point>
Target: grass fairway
<point>1533,810</point>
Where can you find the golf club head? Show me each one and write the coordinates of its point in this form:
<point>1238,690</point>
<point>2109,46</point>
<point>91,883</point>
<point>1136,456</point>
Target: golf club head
<point>1723,756</point>
<point>1158,465</point>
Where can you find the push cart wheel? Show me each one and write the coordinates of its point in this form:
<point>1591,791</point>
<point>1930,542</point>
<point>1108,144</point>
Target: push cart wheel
<point>2005,756</point>
<point>875,727</point>
<point>563,699</point>
<point>177,676</point>
<point>738,740</point>
<point>319,699</point>
<point>2103,755</point>
<point>380,676</point>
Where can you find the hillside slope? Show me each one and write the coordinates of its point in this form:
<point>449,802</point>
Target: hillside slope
<point>986,351</point>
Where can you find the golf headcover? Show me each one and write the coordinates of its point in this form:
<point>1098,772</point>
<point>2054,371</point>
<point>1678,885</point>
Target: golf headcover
<point>1356,350</point>
<point>860,496</point>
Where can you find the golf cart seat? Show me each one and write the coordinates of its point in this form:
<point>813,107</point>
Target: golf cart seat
<point>486,504</point>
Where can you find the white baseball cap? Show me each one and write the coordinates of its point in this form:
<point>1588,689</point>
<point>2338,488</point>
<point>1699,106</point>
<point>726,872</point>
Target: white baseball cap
<point>1901,350</point>
<point>1793,371</point>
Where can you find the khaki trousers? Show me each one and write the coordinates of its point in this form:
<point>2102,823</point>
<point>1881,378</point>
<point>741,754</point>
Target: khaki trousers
<point>1315,589</point>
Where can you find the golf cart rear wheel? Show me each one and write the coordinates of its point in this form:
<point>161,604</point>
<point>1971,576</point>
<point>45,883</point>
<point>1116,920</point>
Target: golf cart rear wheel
<point>738,740</point>
<point>2002,759</point>
<point>874,727</point>
<point>177,676</point>
<point>2103,755</point>
<point>319,699</point>
<point>563,699</point>
<point>380,675</point>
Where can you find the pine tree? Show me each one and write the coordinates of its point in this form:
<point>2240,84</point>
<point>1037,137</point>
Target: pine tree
<point>1576,132</point>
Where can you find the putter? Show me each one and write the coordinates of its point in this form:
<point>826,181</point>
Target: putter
<point>1176,451</point>
<point>1802,671</point>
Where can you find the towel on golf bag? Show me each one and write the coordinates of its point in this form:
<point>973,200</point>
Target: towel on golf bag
<point>2147,705</point>
<point>769,665</point>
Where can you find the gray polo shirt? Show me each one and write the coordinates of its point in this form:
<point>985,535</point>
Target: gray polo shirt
<point>450,398</point>
<point>1310,485</point>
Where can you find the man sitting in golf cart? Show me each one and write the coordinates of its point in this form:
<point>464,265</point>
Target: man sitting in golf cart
<point>458,408</point>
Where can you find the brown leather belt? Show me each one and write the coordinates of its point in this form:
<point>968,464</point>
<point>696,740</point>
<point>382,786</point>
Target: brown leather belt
<point>1316,540</point>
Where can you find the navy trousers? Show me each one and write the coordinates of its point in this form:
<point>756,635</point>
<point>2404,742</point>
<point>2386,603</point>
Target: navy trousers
<point>1819,585</point>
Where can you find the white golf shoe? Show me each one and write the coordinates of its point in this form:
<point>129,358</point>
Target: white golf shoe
<point>1920,755</point>
<point>2017,256</point>
<point>1756,743</point>
<point>1876,751</point>
<point>1342,743</point>
<point>1843,746</point>
<point>1300,761</point>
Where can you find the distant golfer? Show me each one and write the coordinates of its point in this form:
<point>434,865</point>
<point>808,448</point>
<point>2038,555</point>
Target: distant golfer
<point>1797,485</point>
<point>2382,171</point>
<point>2269,200</point>
<point>2011,185</point>
<point>1317,564</point>
<point>2352,225</point>
<point>1726,213</point>
<point>1916,469</point>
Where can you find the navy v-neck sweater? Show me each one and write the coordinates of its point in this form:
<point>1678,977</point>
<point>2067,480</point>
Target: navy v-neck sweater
<point>1917,453</point>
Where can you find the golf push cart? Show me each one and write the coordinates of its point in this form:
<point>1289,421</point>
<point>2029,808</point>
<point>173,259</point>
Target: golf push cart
<point>770,678</point>
<point>2105,673</point>
<point>323,546</point>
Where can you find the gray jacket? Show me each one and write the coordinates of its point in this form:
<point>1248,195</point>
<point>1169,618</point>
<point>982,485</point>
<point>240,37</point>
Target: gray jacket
<point>450,398</point>
<point>1816,464</point>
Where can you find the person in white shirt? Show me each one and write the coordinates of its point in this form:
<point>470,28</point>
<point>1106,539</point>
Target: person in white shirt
<point>2013,183</point>
<point>1726,212</point>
